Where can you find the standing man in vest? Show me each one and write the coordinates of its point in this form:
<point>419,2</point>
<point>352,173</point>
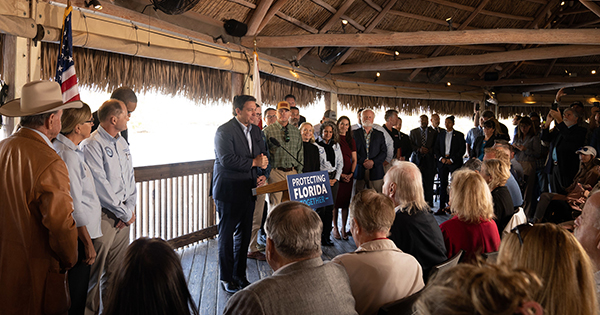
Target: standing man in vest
<point>107,154</point>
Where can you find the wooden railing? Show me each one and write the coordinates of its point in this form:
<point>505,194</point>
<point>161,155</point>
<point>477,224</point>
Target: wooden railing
<point>174,204</point>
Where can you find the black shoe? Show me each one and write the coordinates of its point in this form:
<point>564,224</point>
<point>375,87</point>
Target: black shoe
<point>326,242</point>
<point>229,287</point>
<point>241,283</point>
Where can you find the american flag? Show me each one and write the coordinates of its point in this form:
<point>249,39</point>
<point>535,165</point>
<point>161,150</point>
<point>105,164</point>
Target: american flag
<point>65,67</point>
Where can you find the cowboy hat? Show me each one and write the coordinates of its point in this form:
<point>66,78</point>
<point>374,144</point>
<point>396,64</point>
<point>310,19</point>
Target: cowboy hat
<point>38,97</point>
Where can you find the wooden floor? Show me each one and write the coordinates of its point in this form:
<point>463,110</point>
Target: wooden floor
<point>201,267</point>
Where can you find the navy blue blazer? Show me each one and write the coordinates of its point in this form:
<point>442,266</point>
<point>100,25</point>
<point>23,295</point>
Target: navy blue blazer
<point>458,147</point>
<point>377,153</point>
<point>233,174</point>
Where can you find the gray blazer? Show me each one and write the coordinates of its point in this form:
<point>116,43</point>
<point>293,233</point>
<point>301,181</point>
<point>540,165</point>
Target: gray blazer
<point>304,287</point>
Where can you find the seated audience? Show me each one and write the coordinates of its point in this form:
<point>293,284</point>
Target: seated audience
<point>301,283</point>
<point>379,272</point>
<point>503,154</point>
<point>415,231</point>
<point>495,173</point>
<point>485,141</point>
<point>585,179</point>
<point>473,164</point>
<point>76,126</point>
<point>587,232</point>
<point>558,259</point>
<point>472,228</point>
<point>481,290</point>
<point>150,281</point>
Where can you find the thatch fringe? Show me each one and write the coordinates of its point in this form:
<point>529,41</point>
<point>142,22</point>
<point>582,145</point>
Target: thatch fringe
<point>274,89</point>
<point>407,106</point>
<point>105,71</point>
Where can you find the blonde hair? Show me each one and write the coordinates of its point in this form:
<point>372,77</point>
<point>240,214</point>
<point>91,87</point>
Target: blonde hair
<point>485,290</point>
<point>556,256</point>
<point>470,197</point>
<point>498,170</point>
<point>374,212</point>
<point>312,136</point>
<point>74,116</point>
<point>409,186</point>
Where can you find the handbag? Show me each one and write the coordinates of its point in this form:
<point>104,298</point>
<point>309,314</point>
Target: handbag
<point>57,299</point>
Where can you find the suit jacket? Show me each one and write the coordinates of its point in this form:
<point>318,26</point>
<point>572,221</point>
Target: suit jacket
<point>37,231</point>
<point>566,141</point>
<point>415,139</point>
<point>380,273</point>
<point>303,287</point>
<point>233,174</point>
<point>377,153</point>
<point>458,146</point>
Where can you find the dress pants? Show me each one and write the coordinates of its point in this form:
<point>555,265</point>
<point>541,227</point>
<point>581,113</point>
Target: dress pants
<point>277,176</point>
<point>79,277</point>
<point>257,217</point>
<point>444,172</point>
<point>428,170</point>
<point>361,184</point>
<point>235,228</point>
<point>326,214</point>
<point>110,251</point>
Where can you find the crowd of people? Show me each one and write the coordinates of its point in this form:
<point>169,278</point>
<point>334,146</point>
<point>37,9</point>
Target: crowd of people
<point>68,198</point>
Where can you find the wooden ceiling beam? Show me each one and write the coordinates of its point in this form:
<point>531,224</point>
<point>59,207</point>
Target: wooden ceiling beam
<point>373,5</point>
<point>465,24</point>
<point>371,27</point>
<point>331,9</point>
<point>592,6</point>
<point>552,63</point>
<point>389,52</point>
<point>244,3</point>
<point>484,12</point>
<point>435,38</point>
<point>536,81</point>
<point>258,15</point>
<point>328,25</point>
<point>424,18</point>
<point>555,87</point>
<point>481,47</point>
<point>414,85</point>
<point>472,60</point>
<point>270,14</point>
<point>296,22</point>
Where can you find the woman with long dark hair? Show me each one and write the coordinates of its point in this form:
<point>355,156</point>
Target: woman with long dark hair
<point>150,282</point>
<point>348,146</point>
<point>527,149</point>
<point>486,141</point>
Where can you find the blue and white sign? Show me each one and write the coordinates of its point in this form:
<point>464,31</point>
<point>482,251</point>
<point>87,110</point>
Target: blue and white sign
<point>312,189</point>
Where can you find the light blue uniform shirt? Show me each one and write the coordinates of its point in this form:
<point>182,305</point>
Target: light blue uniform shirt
<point>87,209</point>
<point>109,159</point>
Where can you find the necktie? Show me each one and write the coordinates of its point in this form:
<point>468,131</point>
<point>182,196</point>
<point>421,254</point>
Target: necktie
<point>423,137</point>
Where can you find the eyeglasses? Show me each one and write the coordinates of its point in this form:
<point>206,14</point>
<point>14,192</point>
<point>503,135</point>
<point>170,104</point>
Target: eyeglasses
<point>520,229</point>
<point>286,134</point>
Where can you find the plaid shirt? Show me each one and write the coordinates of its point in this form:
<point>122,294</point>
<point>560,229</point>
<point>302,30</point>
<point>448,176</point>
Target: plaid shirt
<point>279,158</point>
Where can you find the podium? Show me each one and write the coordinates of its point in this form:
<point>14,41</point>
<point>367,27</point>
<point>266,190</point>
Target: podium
<point>281,186</point>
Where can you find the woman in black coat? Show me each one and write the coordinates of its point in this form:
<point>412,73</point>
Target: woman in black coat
<point>311,152</point>
<point>485,141</point>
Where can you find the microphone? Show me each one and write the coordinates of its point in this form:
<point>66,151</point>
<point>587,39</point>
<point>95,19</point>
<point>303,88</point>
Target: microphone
<point>276,143</point>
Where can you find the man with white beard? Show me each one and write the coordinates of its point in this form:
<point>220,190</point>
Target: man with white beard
<point>371,152</point>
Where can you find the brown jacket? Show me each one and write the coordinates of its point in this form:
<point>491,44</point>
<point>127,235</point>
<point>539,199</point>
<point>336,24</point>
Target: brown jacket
<point>37,231</point>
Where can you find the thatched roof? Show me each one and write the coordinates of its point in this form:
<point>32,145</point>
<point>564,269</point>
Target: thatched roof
<point>512,47</point>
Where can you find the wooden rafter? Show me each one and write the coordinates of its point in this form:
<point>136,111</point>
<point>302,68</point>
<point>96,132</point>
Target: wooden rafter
<point>258,15</point>
<point>592,6</point>
<point>552,63</point>
<point>463,26</point>
<point>484,12</point>
<point>536,81</point>
<point>328,25</point>
<point>331,9</point>
<point>297,22</point>
<point>270,14</point>
<point>371,27</point>
<point>472,60</point>
<point>435,38</point>
<point>423,18</point>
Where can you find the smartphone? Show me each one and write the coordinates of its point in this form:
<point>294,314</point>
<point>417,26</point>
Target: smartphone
<point>555,106</point>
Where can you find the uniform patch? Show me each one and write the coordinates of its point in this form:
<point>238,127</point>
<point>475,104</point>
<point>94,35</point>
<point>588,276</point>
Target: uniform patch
<point>109,151</point>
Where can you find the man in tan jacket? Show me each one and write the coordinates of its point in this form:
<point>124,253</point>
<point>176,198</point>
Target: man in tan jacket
<point>38,237</point>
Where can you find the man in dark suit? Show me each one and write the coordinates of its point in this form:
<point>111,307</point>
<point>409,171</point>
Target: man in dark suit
<point>448,150</point>
<point>565,139</point>
<point>369,169</point>
<point>239,150</point>
<point>422,140</point>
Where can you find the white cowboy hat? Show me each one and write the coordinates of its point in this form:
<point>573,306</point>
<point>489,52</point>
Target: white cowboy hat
<point>38,97</point>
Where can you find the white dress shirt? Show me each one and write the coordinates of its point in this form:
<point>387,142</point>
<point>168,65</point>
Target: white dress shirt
<point>326,165</point>
<point>109,159</point>
<point>87,210</point>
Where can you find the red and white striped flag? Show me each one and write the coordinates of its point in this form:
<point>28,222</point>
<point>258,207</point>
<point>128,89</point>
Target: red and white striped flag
<point>65,67</point>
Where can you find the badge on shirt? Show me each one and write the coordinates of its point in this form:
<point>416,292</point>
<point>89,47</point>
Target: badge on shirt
<point>109,151</point>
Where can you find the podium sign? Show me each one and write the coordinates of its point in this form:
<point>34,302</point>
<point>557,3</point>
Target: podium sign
<point>312,189</point>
